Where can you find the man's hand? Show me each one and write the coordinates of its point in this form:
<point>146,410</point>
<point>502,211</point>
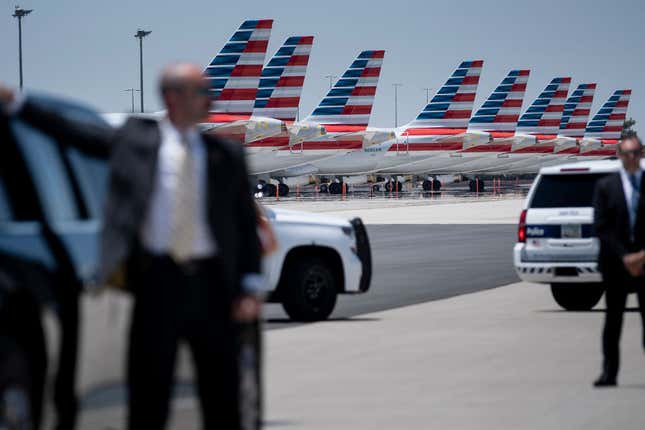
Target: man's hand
<point>634,263</point>
<point>247,308</point>
<point>7,95</point>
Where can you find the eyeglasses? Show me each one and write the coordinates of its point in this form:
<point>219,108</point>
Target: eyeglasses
<point>195,90</point>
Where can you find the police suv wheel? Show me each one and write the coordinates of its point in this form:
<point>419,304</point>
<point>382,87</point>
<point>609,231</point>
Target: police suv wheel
<point>577,297</point>
<point>310,291</point>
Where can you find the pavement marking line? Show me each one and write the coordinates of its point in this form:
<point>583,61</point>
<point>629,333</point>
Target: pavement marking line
<point>501,358</point>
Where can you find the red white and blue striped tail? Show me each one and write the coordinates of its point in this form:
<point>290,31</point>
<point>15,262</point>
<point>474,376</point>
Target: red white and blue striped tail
<point>576,111</point>
<point>607,123</point>
<point>234,74</point>
<point>282,80</point>
<point>348,105</point>
<point>501,111</point>
<point>543,117</point>
<point>452,105</point>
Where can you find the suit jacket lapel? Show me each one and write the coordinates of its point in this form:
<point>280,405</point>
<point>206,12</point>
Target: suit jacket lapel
<point>621,196</point>
<point>149,146</point>
<point>641,202</point>
<point>214,159</point>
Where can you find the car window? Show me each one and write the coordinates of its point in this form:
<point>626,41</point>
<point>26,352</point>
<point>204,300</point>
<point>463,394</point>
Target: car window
<point>92,177</point>
<point>565,191</point>
<point>47,170</point>
<point>5,209</point>
<point>71,185</point>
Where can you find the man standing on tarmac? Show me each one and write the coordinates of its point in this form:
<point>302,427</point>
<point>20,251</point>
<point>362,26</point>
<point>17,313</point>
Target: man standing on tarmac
<point>619,224</point>
<point>186,248</point>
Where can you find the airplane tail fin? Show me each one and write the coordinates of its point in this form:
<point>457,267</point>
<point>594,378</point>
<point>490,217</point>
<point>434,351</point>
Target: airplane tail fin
<point>607,123</point>
<point>282,80</point>
<point>234,74</point>
<point>501,111</point>
<point>348,105</point>
<point>452,105</point>
<point>543,117</point>
<point>576,111</point>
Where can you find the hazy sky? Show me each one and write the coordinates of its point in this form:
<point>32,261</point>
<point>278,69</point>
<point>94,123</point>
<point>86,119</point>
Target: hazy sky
<point>86,49</point>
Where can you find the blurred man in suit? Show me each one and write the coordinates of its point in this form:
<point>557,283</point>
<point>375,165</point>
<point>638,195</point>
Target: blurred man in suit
<point>179,231</point>
<point>620,226</point>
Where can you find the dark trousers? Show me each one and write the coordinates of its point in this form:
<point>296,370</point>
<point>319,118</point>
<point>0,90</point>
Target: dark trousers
<point>616,292</point>
<point>173,304</point>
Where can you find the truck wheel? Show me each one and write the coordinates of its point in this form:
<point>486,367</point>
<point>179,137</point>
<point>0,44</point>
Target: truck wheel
<point>310,291</point>
<point>577,297</point>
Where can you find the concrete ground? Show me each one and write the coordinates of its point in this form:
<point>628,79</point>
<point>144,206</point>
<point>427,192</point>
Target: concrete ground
<point>502,358</point>
<point>498,359</point>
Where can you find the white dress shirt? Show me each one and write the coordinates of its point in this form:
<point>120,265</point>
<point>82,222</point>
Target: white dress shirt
<point>628,189</point>
<point>157,228</point>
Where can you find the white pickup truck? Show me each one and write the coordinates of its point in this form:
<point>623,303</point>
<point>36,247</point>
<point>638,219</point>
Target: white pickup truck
<point>318,257</point>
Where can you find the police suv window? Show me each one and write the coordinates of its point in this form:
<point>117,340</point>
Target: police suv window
<point>565,191</point>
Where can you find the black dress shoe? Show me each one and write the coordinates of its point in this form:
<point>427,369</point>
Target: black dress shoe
<point>605,381</point>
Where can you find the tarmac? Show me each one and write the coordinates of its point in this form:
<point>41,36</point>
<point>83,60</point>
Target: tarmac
<point>505,358</point>
<point>502,358</point>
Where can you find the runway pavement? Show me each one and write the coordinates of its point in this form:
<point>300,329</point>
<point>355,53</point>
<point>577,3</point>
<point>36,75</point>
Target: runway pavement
<point>417,263</point>
<point>505,358</point>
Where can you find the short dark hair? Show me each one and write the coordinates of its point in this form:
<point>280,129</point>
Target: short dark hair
<point>631,136</point>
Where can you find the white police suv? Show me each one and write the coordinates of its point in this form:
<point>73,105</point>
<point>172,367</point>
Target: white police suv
<point>555,241</point>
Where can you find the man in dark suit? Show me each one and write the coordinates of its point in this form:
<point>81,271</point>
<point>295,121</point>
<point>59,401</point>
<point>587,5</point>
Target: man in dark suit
<point>620,226</point>
<point>179,230</point>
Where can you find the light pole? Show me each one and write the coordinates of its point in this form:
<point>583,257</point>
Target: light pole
<point>427,90</point>
<point>20,13</point>
<point>331,79</point>
<point>396,104</point>
<point>131,91</point>
<point>140,35</point>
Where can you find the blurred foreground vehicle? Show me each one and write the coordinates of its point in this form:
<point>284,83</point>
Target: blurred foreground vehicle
<point>555,243</point>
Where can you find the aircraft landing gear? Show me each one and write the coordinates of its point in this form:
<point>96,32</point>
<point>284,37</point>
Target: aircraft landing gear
<point>431,184</point>
<point>476,185</point>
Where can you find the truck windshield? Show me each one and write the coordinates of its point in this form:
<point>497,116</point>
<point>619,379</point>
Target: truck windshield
<point>565,191</point>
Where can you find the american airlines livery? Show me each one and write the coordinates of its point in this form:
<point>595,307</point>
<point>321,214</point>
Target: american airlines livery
<point>441,126</point>
<point>233,77</point>
<point>343,113</point>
